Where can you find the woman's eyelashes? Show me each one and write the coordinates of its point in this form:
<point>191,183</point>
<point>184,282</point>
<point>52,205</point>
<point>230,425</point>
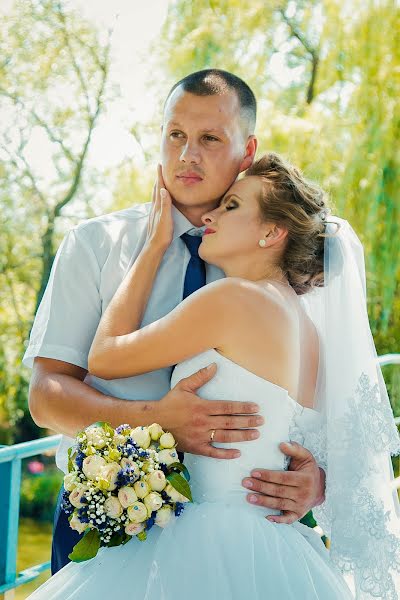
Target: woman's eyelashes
<point>231,205</point>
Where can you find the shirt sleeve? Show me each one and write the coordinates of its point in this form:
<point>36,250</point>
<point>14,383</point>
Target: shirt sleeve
<point>70,310</point>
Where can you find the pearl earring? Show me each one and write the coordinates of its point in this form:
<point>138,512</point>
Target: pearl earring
<point>262,243</point>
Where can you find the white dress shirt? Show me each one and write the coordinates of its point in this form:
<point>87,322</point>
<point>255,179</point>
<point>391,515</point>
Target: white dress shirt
<point>90,264</point>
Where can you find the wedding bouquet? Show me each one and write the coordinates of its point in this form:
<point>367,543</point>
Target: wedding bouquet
<point>120,482</point>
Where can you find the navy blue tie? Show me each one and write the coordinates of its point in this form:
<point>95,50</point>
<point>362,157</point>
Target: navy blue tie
<point>195,276</point>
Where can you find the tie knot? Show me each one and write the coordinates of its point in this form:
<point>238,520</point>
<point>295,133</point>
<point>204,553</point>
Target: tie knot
<point>192,242</point>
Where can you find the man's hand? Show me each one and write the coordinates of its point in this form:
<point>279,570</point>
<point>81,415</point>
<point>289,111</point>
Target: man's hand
<point>293,492</point>
<point>192,419</point>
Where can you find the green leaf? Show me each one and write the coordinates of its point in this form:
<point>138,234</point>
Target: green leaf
<point>180,484</point>
<point>142,536</point>
<point>118,539</point>
<point>178,466</point>
<point>106,427</point>
<point>71,460</point>
<point>87,547</point>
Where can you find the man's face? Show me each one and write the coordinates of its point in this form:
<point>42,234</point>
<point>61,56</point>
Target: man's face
<point>203,146</point>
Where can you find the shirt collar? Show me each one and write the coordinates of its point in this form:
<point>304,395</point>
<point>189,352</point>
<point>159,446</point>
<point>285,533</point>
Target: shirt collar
<point>183,225</point>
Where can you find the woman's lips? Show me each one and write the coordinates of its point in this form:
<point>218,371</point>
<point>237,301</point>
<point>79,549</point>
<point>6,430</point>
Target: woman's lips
<point>208,231</point>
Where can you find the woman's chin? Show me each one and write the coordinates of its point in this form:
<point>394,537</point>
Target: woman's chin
<point>207,256</point>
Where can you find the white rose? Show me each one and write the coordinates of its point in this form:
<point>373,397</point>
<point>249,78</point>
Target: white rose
<point>96,437</point>
<point>163,516</point>
<point>113,507</point>
<point>92,466</point>
<point>174,494</point>
<point>77,525</point>
<point>76,495</point>
<point>157,480</point>
<point>119,439</point>
<point>70,482</point>
<point>109,472</point>
<point>155,431</point>
<point>137,513</point>
<point>141,436</point>
<point>153,501</point>
<point>134,528</point>
<point>141,488</point>
<point>167,440</point>
<point>127,496</point>
<point>168,456</point>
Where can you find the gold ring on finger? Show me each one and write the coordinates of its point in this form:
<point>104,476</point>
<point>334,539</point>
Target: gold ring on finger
<point>212,435</point>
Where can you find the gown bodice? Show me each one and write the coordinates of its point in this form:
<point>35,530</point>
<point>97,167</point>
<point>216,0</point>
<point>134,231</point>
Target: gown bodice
<point>214,480</point>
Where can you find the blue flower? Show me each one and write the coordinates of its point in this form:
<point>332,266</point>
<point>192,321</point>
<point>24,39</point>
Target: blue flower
<point>179,508</point>
<point>122,428</point>
<point>164,468</point>
<point>66,504</point>
<point>82,515</point>
<point>126,476</point>
<point>151,520</point>
<point>130,448</point>
<point>80,457</point>
<point>166,498</point>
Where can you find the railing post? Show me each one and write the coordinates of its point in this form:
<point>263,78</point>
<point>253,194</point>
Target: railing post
<point>10,478</point>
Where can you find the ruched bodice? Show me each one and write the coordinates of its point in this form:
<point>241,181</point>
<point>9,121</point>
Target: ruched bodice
<point>214,480</point>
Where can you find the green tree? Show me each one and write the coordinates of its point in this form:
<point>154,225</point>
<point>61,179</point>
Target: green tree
<point>53,79</point>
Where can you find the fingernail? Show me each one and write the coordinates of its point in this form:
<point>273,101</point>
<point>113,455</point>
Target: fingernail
<point>210,366</point>
<point>253,499</point>
<point>256,474</point>
<point>248,483</point>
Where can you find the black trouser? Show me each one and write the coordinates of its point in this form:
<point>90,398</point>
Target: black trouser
<point>64,538</point>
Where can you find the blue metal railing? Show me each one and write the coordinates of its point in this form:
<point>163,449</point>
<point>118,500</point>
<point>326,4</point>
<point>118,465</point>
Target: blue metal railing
<point>10,478</point>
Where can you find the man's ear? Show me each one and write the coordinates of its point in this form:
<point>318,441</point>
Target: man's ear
<point>251,148</point>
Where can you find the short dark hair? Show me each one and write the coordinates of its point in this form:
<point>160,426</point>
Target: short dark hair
<point>210,82</point>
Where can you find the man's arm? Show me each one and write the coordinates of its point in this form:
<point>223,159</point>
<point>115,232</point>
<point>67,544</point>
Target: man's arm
<point>60,400</point>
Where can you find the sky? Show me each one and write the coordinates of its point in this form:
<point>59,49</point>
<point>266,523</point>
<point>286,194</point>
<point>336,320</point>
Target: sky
<point>135,25</point>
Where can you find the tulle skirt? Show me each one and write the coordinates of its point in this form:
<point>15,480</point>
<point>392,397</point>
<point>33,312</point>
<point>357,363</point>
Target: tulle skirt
<point>213,551</point>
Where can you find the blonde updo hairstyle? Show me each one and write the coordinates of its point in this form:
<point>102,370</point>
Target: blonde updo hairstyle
<point>301,207</point>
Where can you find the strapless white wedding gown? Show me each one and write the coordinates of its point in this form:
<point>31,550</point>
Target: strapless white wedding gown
<point>221,547</point>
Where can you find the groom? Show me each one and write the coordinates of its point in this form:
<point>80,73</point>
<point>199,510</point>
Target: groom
<point>207,140</point>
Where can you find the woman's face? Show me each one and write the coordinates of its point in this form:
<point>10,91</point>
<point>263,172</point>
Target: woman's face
<point>235,227</point>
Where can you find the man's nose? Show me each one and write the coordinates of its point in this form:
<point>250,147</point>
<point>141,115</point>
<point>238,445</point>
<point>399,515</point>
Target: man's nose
<point>190,153</point>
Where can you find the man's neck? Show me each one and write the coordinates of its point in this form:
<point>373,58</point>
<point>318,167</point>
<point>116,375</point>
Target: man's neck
<point>194,213</point>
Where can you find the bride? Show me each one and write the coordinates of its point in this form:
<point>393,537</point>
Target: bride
<point>287,327</point>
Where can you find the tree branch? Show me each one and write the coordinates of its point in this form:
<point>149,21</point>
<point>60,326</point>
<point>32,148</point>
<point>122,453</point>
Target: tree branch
<point>311,51</point>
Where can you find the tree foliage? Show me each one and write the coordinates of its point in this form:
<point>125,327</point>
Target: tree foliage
<point>53,78</point>
<point>327,79</point>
